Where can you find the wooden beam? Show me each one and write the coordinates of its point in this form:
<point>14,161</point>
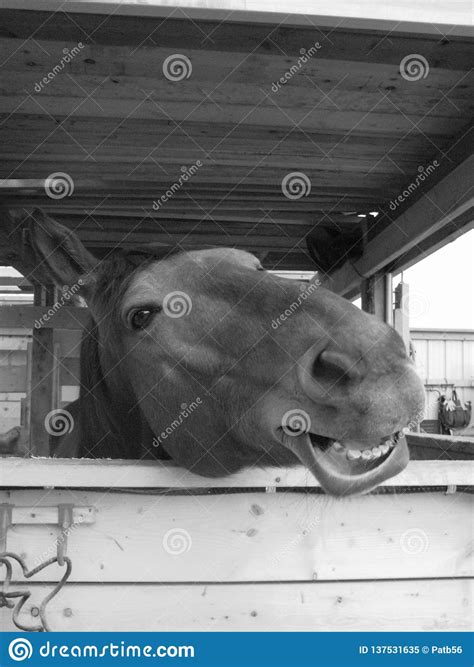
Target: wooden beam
<point>246,37</point>
<point>15,281</point>
<point>15,378</point>
<point>43,317</point>
<point>90,473</point>
<point>229,96</point>
<point>447,200</point>
<point>434,445</point>
<point>453,20</point>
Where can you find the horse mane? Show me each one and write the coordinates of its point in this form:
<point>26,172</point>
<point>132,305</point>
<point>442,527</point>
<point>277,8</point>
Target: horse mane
<point>111,428</point>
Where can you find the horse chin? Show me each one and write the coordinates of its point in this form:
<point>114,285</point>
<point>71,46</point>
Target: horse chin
<point>345,468</point>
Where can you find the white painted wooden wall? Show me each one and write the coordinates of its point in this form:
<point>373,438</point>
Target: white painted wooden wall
<point>252,560</point>
<point>444,358</point>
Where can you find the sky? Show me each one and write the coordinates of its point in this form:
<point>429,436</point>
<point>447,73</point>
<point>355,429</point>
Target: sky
<point>441,287</point>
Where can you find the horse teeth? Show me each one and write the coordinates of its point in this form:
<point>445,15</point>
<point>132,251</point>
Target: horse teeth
<point>338,446</point>
<point>369,454</point>
<point>353,454</point>
<point>385,448</point>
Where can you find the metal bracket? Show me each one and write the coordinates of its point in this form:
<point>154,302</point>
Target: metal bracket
<point>66,516</point>
<point>66,521</point>
<point>5,523</point>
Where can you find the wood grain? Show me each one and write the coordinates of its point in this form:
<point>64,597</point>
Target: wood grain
<point>402,606</point>
<point>116,473</point>
<point>238,537</point>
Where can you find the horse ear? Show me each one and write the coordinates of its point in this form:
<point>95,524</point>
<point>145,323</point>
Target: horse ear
<point>57,253</point>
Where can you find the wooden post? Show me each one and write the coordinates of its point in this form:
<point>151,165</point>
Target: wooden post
<point>376,296</point>
<point>42,375</point>
<point>24,443</point>
<point>401,320</point>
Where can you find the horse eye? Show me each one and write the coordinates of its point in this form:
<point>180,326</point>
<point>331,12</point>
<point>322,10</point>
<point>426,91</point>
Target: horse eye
<point>139,319</point>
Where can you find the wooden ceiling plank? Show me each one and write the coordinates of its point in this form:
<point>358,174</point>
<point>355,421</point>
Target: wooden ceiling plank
<point>247,114</point>
<point>387,99</point>
<point>133,132</point>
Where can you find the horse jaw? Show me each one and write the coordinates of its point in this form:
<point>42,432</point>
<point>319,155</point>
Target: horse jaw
<point>339,476</point>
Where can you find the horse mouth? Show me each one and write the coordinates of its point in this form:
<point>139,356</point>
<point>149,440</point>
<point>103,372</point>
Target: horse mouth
<point>368,457</point>
<point>345,467</point>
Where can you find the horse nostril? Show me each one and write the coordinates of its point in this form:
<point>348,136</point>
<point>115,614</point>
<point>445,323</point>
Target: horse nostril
<point>335,366</point>
<point>325,373</point>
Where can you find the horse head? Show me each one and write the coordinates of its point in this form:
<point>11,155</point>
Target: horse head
<point>278,372</point>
